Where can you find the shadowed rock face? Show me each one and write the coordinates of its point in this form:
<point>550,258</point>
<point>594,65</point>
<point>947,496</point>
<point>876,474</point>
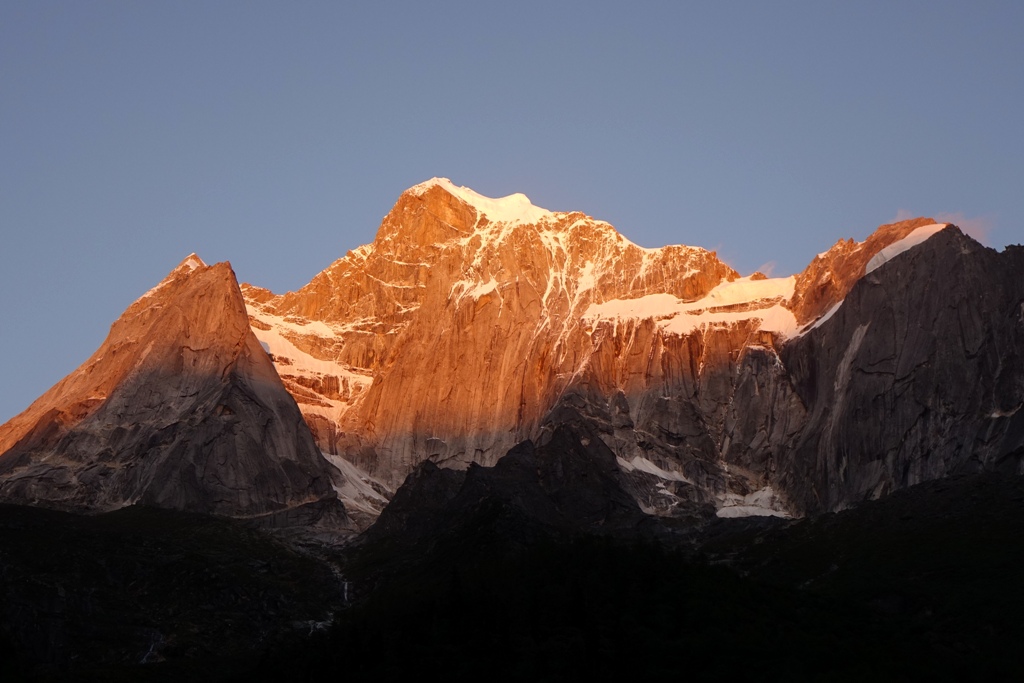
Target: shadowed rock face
<point>920,374</point>
<point>917,375</point>
<point>179,408</point>
<point>570,483</point>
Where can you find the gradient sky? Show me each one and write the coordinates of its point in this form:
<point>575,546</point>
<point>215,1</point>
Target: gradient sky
<point>277,135</point>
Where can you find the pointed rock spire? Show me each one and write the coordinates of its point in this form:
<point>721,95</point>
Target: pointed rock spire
<point>180,407</point>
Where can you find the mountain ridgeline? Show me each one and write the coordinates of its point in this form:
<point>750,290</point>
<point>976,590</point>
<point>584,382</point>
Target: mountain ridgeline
<point>624,383</point>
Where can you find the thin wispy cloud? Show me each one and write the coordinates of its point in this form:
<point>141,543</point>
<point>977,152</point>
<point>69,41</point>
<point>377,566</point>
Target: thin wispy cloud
<point>978,227</point>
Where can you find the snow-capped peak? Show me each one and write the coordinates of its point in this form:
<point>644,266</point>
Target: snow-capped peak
<point>191,262</point>
<point>515,208</point>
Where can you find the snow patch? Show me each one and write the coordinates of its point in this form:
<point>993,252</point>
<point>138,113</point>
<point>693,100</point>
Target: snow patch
<point>474,290</point>
<point>762,503</point>
<point>357,489</point>
<point>918,236</point>
<point>822,320</point>
<point>757,299</point>
<point>642,464</point>
<point>513,209</point>
<point>302,363</point>
<point>745,289</point>
<point>1005,413</point>
<point>313,327</point>
<point>191,262</point>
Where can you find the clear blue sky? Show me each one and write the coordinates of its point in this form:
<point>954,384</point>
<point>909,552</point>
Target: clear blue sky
<point>277,135</point>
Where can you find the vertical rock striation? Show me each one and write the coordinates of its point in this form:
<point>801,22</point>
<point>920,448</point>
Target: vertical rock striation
<point>454,333</point>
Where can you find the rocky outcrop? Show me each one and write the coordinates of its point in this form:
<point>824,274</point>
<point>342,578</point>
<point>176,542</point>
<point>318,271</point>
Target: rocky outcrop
<point>179,408</point>
<point>569,484</point>
<point>825,281</point>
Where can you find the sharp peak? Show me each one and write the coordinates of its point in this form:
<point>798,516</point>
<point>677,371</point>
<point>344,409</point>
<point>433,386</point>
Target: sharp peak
<point>190,262</point>
<point>188,265</point>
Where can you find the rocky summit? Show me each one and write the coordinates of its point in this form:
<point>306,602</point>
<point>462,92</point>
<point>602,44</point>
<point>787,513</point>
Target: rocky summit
<point>473,327</point>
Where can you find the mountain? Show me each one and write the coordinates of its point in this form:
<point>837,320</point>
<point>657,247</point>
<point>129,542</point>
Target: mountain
<point>919,374</point>
<point>457,329</point>
<point>570,484</point>
<point>179,408</point>
<point>563,453</point>
<point>473,324</point>
<point>472,328</point>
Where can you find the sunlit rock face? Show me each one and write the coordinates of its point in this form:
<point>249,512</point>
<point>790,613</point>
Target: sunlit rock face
<point>179,408</point>
<point>453,334</point>
<point>471,324</point>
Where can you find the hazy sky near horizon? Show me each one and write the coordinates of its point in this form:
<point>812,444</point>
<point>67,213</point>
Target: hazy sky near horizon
<point>277,135</point>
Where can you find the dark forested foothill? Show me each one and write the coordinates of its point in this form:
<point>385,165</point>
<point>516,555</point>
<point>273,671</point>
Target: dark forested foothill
<point>143,592</point>
<point>923,585</point>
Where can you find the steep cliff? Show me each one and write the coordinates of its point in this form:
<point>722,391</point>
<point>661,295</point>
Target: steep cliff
<point>918,374</point>
<point>179,408</point>
<point>453,334</point>
<point>914,371</point>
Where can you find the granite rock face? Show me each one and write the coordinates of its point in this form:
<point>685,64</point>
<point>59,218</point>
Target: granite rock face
<point>915,373</point>
<point>179,408</point>
<point>453,334</point>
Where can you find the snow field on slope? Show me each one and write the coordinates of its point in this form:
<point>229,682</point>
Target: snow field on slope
<point>678,317</point>
<point>515,208</point>
<point>302,363</point>
<point>918,236</point>
<point>356,491</point>
<point>761,503</point>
